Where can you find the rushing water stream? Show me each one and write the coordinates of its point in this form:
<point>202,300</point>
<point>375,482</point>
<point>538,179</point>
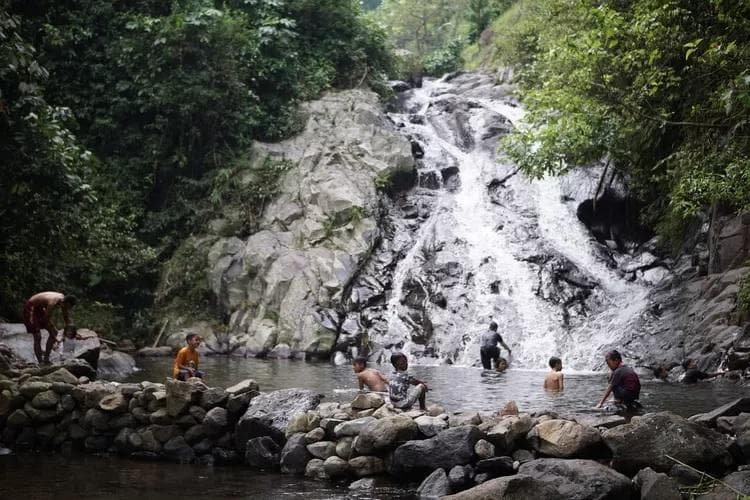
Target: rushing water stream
<point>512,251</point>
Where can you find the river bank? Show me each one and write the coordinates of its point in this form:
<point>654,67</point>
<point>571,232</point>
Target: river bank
<point>350,442</point>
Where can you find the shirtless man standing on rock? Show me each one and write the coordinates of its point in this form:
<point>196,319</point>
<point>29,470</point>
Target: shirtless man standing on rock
<point>37,314</point>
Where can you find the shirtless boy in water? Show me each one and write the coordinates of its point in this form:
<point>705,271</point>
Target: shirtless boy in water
<point>368,377</point>
<point>553,381</point>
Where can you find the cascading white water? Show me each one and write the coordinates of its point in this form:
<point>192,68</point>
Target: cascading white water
<point>492,242</point>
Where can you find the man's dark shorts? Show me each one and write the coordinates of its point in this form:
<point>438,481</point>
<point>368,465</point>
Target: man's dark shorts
<point>488,354</point>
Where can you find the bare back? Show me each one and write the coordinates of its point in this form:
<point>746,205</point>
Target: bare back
<point>553,381</point>
<point>46,299</point>
<point>372,379</point>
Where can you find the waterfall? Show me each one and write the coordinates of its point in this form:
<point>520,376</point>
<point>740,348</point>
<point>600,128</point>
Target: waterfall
<point>511,251</point>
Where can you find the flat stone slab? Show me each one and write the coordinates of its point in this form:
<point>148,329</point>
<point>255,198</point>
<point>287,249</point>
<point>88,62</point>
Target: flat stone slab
<point>731,409</point>
<point>606,421</point>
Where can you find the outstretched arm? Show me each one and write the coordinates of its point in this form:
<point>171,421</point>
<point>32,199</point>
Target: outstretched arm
<point>66,315</point>
<point>606,395</point>
<point>502,343</point>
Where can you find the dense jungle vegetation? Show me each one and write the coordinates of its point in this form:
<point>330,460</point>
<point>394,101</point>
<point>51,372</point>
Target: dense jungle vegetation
<point>122,123</point>
<point>659,90</point>
<point>120,120</point>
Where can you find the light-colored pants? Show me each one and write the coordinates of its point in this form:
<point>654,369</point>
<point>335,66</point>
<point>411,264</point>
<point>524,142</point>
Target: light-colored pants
<point>412,396</point>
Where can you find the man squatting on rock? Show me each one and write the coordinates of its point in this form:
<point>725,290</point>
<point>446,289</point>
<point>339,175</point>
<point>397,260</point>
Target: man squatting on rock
<point>623,382</point>
<point>402,396</point>
<point>488,349</point>
<point>187,359</point>
<point>37,314</point>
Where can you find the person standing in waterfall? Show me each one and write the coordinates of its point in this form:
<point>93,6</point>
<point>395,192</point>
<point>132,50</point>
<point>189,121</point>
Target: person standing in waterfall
<point>623,383</point>
<point>488,349</point>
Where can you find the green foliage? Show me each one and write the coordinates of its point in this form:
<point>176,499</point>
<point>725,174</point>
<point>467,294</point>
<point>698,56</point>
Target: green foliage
<point>444,60</point>
<point>57,231</point>
<point>481,13</point>
<point>743,296</point>
<point>167,97</point>
<point>424,29</point>
<point>183,289</point>
<point>249,185</point>
<point>383,182</point>
<point>660,89</point>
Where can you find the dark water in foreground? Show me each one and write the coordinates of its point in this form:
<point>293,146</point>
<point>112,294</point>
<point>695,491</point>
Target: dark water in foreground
<point>30,476</point>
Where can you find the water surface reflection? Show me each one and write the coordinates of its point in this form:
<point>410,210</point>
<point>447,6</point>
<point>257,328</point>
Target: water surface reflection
<point>456,387</point>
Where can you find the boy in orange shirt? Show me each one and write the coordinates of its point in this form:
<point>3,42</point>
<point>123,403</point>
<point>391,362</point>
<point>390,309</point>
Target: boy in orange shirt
<point>186,362</point>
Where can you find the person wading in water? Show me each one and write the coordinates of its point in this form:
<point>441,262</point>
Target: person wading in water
<point>488,349</point>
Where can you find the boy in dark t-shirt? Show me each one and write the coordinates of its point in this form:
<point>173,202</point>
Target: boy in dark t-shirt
<point>623,382</point>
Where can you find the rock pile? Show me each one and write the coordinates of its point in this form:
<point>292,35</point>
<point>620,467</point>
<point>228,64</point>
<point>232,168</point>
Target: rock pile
<point>474,456</point>
<point>465,455</point>
<point>178,421</point>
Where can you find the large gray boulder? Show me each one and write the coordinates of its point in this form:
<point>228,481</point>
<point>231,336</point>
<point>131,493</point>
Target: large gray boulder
<point>580,479</point>
<point>270,413</point>
<point>115,365</point>
<point>451,447</point>
<point>565,439</point>
<point>507,434</point>
<point>648,441</point>
<point>87,348</point>
<point>314,237</point>
<point>518,487</point>
<point>380,434</point>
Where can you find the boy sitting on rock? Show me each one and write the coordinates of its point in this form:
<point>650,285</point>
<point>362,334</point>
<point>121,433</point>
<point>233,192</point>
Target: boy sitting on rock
<point>402,396</point>
<point>371,378</point>
<point>186,362</point>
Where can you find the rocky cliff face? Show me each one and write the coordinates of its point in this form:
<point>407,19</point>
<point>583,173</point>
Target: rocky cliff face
<point>274,287</point>
<point>336,266</point>
<point>695,315</point>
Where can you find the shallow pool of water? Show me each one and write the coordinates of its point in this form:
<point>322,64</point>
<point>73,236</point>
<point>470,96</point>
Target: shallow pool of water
<point>455,387</point>
<point>43,476</point>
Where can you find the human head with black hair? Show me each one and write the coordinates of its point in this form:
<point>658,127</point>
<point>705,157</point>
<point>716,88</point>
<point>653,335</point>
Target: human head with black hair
<point>399,361</point>
<point>555,363</point>
<point>70,300</point>
<point>359,364</point>
<point>193,340</point>
<point>613,359</point>
<point>493,326</point>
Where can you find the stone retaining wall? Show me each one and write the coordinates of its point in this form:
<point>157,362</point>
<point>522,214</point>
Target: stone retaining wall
<point>466,454</point>
<point>178,421</point>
